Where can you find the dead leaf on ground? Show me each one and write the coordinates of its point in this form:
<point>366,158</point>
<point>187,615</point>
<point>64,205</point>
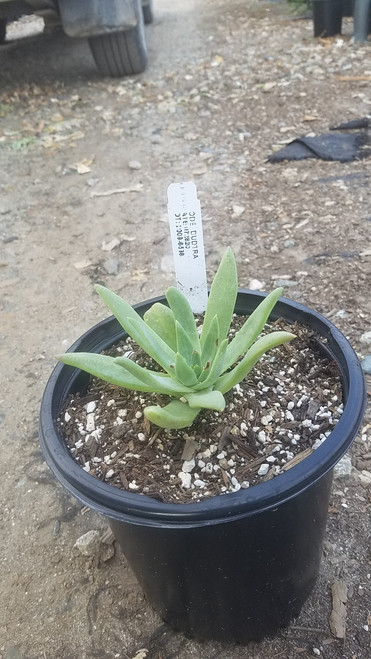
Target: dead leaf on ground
<point>141,654</point>
<point>139,275</point>
<point>108,247</point>
<point>81,265</point>
<point>83,167</point>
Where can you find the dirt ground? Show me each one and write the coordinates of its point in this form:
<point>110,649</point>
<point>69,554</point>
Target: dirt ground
<point>227,83</point>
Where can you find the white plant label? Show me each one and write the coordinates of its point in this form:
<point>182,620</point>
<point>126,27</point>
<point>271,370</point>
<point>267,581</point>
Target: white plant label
<point>185,220</point>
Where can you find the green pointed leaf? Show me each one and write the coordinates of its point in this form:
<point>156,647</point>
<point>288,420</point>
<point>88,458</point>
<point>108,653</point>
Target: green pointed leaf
<point>216,368</point>
<point>184,372</point>
<point>184,315</point>
<point>184,343</point>
<point>151,343</point>
<point>211,400</point>
<point>196,362</point>
<point>239,372</point>
<point>251,329</point>
<point>135,326</point>
<point>222,298</point>
<point>159,382</point>
<point>175,415</point>
<point>211,342</point>
<point>104,367</point>
<point>161,319</point>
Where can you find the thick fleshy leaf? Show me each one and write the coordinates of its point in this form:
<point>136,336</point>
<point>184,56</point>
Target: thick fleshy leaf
<point>251,329</point>
<point>184,344</point>
<point>216,368</point>
<point>184,315</point>
<point>211,342</point>
<point>151,343</point>
<point>239,372</point>
<point>106,368</point>
<point>222,298</point>
<point>211,400</point>
<point>135,326</point>
<point>161,383</point>
<point>184,372</point>
<point>175,415</point>
<point>161,319</point>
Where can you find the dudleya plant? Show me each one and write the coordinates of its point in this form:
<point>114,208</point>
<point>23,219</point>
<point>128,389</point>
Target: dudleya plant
<point>198,367</point>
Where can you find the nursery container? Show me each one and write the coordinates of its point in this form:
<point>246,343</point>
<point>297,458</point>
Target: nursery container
<point>327,17</point>
<point>234,567</point>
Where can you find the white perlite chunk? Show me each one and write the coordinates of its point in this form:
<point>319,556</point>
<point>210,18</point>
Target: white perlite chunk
<point>262,437</point>
<point>188,466</point>
<point>90,422</point>
<point>186,479</point>
<point>263,469</point>
<point>90,407</point>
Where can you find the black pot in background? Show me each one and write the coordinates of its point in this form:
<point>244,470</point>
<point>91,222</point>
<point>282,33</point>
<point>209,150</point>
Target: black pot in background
<point>235,567</point>
<point>348,7</point>
<point>327,16</point>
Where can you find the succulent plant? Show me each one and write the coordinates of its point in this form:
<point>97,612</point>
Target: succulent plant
<point>198,367</point>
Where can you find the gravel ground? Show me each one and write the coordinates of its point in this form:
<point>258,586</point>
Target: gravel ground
<point>85,165</point>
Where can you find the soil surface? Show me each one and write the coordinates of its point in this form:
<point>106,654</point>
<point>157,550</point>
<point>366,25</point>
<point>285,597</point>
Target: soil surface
<point>85,163</point>
<point>278,414</point>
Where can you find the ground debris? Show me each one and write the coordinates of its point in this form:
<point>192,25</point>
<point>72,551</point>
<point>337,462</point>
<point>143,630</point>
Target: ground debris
<point>339,610</point>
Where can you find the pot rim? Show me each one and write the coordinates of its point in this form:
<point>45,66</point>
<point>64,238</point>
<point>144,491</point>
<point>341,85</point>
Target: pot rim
<point>141,509</point>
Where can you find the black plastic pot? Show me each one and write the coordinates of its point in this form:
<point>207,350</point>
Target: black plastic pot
<point>234,567</point>
<point>348,7</point>
<point>327,17</point>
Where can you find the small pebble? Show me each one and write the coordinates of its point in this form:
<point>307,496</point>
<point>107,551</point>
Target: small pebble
<point>286,283</point>
<point>256,285</point>
<point>134,164</point>
<point>89,543</point>
<point>366,365</point>
<point>263,469</point>
<point>111,266</point>
<point>366,338</point>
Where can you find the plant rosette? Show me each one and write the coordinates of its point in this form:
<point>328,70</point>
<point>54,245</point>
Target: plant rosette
<point>237,566</point>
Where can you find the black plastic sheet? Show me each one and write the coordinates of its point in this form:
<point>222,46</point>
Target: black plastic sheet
<point>330,146</point>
